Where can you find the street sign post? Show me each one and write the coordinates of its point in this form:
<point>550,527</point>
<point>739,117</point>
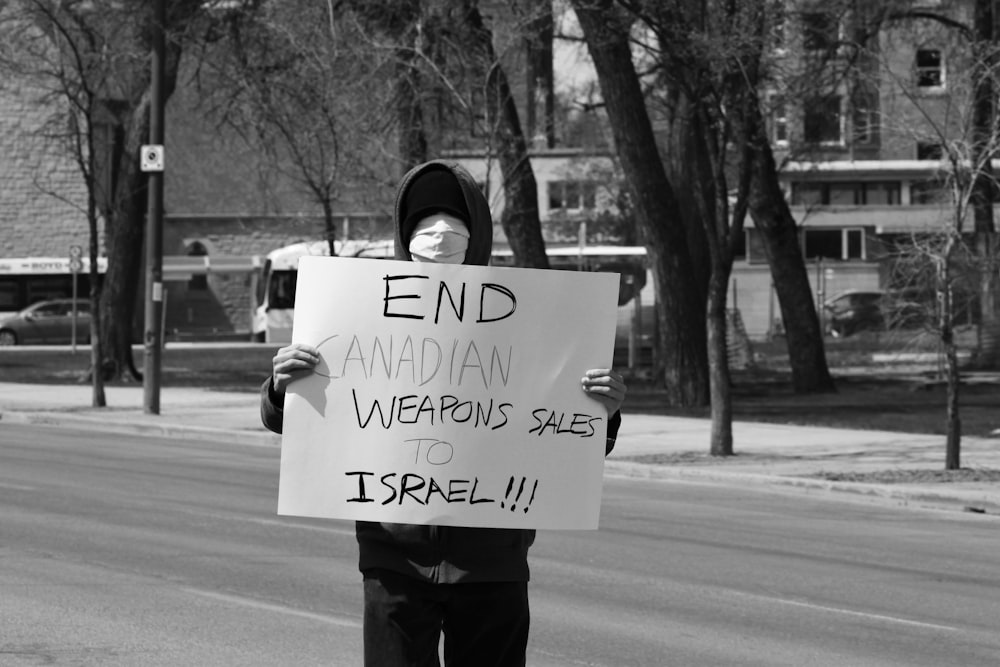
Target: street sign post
<point>75,266</point>
<point>152,162</point>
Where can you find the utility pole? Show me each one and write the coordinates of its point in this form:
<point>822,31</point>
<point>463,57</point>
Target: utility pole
<point>152,162</point>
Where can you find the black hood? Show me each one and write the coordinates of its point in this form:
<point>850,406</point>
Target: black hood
<point>480,221</point>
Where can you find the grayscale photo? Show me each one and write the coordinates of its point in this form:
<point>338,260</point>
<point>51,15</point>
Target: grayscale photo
<point>499,333</point>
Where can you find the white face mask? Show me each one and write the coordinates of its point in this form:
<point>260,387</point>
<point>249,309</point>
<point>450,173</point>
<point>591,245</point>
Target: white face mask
<point>440,238</point>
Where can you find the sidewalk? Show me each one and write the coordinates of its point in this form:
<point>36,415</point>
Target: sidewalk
<point>648,446</point>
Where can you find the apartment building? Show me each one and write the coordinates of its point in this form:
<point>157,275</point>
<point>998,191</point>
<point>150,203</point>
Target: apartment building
<point>860,115</point>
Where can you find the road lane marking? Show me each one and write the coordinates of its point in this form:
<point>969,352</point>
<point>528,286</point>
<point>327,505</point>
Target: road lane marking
<point>17,487</point>
<point>290,523</point>
<point>852,612</point>
<point>342,621</point>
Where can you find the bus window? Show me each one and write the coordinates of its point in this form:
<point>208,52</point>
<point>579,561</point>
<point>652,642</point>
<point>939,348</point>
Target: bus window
<point>261,287</point>
<point>281,289</point>
<point>8,294</point>
<point>43,288</point>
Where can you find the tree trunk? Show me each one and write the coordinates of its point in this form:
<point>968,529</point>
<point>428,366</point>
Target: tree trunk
<point>98,398</point>
<point>330,226</point>
<point>124,235</point>
<point>125,219</point>
<point>539,71</point>
<point>720,382</point>
<point>988,258</point>
<point>984,186</point>
<point>688,169</point>
<point>953,446</point>
<point>803,334</point>
<point>681,311</point>
<point>520,217</point>
<point>409,114</point>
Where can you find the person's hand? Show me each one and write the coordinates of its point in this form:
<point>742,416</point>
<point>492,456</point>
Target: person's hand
<point>606,386</point>
<point>291,362</point>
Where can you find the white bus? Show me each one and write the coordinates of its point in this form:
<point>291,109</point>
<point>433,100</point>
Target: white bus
<point>274,296</point>
<point>634,333</point>
<point>273,309</point>
<point>28,280</point>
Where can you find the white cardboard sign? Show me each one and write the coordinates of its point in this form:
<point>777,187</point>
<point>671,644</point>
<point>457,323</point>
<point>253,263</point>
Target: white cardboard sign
<point>448,395</point>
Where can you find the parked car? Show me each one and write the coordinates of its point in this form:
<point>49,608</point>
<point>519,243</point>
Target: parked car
<point>853,311</point>
<point>46,322</point>
<point>874,310</point>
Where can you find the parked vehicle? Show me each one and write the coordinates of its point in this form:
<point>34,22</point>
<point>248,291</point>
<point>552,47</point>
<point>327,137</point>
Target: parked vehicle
<point>46,322</point>
<point>854,311</point>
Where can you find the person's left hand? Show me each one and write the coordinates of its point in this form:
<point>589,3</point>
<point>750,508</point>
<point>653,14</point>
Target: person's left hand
<point>606,386</point>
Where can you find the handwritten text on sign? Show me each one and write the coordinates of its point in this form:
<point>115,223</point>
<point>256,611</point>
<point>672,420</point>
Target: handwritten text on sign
<point>448,395</point>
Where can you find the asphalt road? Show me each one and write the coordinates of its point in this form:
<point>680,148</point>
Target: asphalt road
<point>124,550</point>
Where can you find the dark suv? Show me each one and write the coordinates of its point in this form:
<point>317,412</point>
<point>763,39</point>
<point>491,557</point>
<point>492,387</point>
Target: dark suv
<point>875,310</point>
<point>854,311</point>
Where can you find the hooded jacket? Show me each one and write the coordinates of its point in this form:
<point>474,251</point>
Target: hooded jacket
<point>438,554</point>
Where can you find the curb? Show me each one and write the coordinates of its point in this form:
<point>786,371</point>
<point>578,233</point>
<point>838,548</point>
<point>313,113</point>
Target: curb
<point>901,495</point>
<point>197,433</point>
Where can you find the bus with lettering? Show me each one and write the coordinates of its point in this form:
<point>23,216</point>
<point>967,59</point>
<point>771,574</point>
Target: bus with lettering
<point>27,280</point>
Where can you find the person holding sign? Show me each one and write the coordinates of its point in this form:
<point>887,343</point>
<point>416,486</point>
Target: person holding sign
<point>420,580</point>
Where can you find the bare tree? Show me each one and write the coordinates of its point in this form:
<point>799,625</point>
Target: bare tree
<point>979,35</point>
<point>399,24</point>
<point>43,44</point>
<point>520,217</point>
<point>117,36</point>
<point>946,259</point>
<point>289,79</point>
<point>681,312</point>
<point>986,58</point>
<point>441,46</point>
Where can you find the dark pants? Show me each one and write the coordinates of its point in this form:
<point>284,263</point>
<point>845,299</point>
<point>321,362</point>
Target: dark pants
<point>484,624</point>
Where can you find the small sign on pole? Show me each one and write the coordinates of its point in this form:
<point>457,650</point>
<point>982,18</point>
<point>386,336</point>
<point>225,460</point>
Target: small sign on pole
<point>75,266</point>
<point>152,158</point>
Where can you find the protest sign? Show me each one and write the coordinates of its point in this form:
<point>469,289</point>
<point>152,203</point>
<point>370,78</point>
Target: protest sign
<point>447,394</point>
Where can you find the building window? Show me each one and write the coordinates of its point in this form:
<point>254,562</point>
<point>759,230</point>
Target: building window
<point>477,112</point>
<point>881,193</point>
<point>823,121</point>
<point>809,194</point>
<point>929,68</point>
<point>929,150</point>
<point>572,195</point>
<point>820,31</point>
<point>854,243</point>
<point>864,117</point>
<point>198,281</point>
<point>928,192</point>
<point>823,243</point>
<point>779,121</point>
<point>834,243</point>
<point>847,193</point>
<point>740,246</point>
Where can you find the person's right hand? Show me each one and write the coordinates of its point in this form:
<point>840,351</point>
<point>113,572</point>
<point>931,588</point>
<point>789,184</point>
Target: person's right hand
<point>291,362</point>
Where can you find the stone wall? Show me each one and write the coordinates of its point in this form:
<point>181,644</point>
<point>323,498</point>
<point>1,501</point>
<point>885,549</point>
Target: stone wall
<point>42,195</point>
